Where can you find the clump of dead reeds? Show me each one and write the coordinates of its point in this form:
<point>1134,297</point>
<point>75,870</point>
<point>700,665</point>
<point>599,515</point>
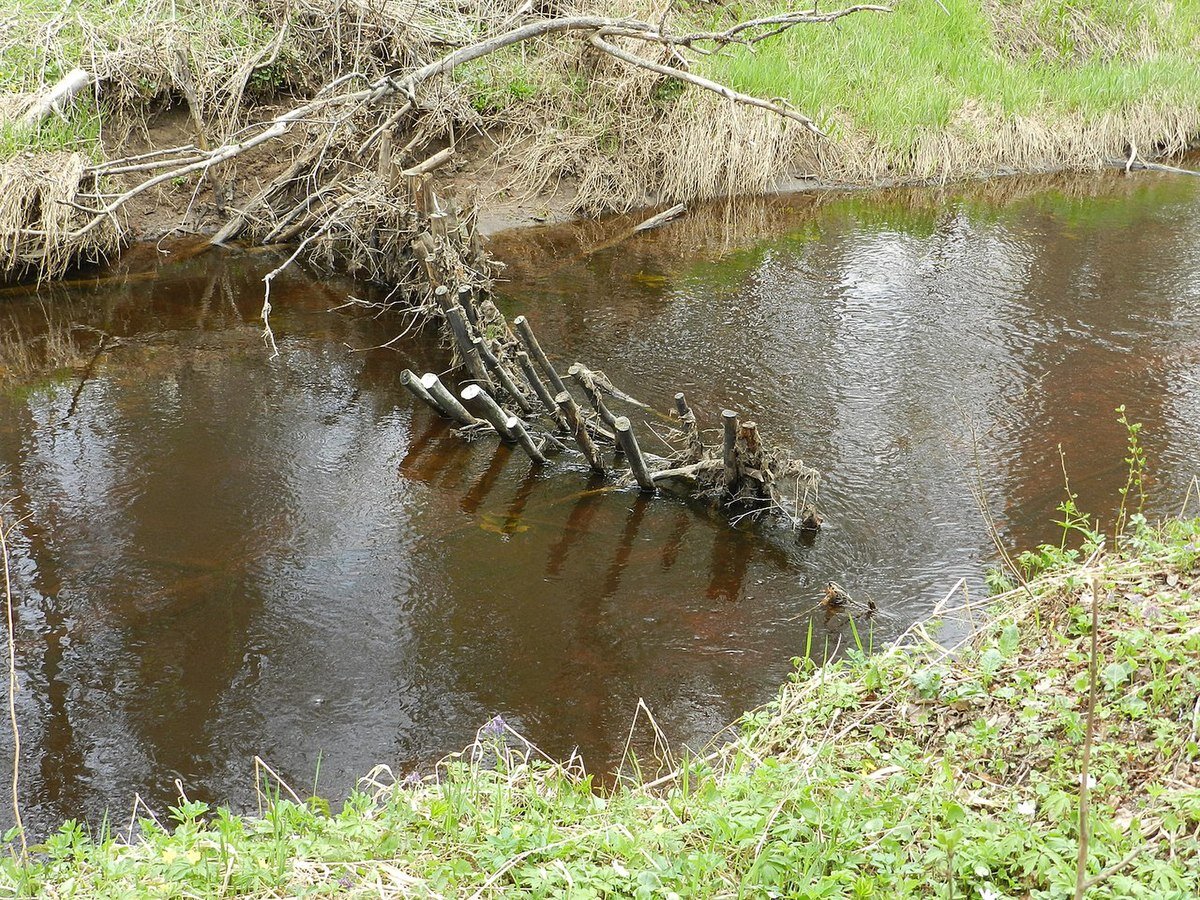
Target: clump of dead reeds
<point>40,218</point>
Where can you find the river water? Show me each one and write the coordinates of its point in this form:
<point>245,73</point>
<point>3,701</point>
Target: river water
<point>218,555</point>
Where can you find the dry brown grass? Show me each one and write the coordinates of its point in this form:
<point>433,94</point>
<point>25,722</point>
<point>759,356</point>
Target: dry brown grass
<point>38,212</point>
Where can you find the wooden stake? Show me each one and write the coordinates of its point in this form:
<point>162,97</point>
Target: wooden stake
<point>447,401</point>
<point>489,409</point>
<point>691,432</point>
<point>502,375</point>
<point>539,387</point>
<point>441,294</point>
<point>583,375</point>
<point>681,406</point>
<point>466,349</point>
<point>539,355</point>
<point>517,427</point>
<point>570,411</point>
<point>466,300</point>
<point>730,420</point>
<point>637,462</point>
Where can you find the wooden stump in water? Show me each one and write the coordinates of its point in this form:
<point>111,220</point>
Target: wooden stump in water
<point>691,431</point>
<point>730,420</point>
<point>637,462</point>
<point>489,409</point>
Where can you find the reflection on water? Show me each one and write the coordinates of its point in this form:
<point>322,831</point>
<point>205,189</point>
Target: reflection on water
<point>220,554</point>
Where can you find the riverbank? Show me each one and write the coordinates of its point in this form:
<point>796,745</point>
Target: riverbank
<point>550,128</point>
<point>918,771</point>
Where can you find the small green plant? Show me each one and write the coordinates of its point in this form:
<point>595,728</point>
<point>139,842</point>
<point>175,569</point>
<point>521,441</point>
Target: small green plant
<point>1074,522</point>
<point>1135,479</point>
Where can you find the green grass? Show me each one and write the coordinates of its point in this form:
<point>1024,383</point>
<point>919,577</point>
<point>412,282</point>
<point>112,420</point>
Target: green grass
<point>79,131</point>
<point>910,773</point>
<point>899,75</point>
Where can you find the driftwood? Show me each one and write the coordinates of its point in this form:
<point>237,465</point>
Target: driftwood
<point>662,218</point>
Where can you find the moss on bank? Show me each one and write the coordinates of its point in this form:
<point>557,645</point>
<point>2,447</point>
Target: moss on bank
<point>913,772</point>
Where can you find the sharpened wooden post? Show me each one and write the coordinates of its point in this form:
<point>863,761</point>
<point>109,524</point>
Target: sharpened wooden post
<point>539,355</point>
<point>539,387</point>
<point>517,427</point>
<point>730,420</point>
<point>489,409</point>
<point>567,406</point>
<point>447,401</point>
<point>410,381</point>
<point>584,376</point>
<point>502,375</point>
<point>466,349</point>
<point>637,463</point>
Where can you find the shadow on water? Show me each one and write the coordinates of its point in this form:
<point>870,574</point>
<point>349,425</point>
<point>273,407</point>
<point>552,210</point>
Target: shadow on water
<point>221,554</point>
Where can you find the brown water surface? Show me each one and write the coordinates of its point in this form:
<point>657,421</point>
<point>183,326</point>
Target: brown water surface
<point>218,554</point>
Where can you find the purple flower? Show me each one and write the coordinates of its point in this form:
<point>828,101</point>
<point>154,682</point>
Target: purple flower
<point>495,728</point>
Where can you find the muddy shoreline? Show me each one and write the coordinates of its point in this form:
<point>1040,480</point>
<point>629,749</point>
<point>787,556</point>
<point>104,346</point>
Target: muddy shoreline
<point>180,214</point>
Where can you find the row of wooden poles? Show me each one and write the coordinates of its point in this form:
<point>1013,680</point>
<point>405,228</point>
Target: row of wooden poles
<point>512,383</point>
<point>477,406</point>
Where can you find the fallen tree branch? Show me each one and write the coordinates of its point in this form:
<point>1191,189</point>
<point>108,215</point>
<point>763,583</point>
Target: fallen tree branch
<point>66,88</point>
